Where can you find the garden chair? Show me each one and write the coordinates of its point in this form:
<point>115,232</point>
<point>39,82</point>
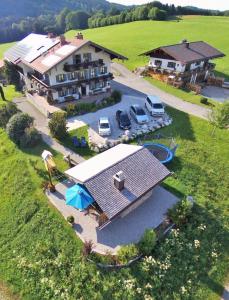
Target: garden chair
<point>76,141</point>
<point>83,142</point>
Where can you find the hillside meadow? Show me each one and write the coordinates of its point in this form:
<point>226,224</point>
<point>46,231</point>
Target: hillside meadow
<point>41,256</point>
<point>132,39</point>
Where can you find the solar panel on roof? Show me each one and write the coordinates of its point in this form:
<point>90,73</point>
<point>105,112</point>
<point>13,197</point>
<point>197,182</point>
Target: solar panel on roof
<point>65,50</point>
<point>51,60</point>
<point>30,47</point>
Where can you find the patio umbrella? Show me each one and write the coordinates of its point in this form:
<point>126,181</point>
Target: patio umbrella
<point>78,197</point>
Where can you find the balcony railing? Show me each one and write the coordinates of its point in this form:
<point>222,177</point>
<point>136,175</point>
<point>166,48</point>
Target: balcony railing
<point>85,80</point>
<point>83,65</point>
<point>39,78</point>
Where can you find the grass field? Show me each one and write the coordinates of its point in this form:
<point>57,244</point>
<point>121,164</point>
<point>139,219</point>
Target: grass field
<point>40,255</point>
<point>135,38</point>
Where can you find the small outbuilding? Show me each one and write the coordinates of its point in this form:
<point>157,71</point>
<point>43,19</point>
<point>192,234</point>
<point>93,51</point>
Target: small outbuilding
<point>119,180</point>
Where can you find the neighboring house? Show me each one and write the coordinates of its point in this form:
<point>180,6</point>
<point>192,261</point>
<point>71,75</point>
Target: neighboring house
<point>188,61</point>
<point>119,179</point>
<point>62,70</point>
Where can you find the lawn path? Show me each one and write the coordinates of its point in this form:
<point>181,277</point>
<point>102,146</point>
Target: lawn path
<point>41,123</point>
<point>126,80</point>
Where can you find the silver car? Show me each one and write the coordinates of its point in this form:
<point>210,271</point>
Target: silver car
<point>138,113</point>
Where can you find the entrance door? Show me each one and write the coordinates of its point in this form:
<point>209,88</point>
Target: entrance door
<point>83,90</point>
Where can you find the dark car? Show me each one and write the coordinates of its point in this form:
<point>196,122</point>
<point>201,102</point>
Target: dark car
<point>123,119</point>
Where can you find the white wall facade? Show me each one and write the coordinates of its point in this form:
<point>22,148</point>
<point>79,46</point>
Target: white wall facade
<point>179,66</point>
<point>59,69</point>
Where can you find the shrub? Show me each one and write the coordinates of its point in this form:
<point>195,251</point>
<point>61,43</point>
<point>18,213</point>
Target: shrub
<point>17,125</point>
<point>83,108</point>
<point>87,248</point>
<point>147,242</point>
<point>58,125</point>
<point>30,138</point>
<point>180,212</point>
<point>219,117</point>
<point>204,100</point>
<point>126,253</point>
<point>6,112</point>
<point>70,219</point>
<point>116,95</point>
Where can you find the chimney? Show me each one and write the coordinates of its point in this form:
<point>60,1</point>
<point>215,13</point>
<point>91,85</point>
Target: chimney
<point>185,42</point>
<point>79,36</point>
<point>119,180</point>
<point>62,40</point>
<point>51,35</point>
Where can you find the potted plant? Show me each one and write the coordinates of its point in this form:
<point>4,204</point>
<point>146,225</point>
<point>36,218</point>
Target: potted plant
<point>71,220</point>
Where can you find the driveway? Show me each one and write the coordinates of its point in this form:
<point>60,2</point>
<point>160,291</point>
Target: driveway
<point>121,231</point>
<point>91,119</point>
<point>216,93</point>
<point>133,85</point>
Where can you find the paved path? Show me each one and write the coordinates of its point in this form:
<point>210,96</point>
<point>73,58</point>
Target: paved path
<point>41,123</point>
<point>132,84</point>
<point>225,295</point>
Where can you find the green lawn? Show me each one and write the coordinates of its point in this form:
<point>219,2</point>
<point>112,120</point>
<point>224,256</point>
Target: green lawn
<point>181,93</point>
<point>135,38</point>
<point>80,132</point>
<point>40,255</point>
<point>10,94</point>
<point>4,47</point>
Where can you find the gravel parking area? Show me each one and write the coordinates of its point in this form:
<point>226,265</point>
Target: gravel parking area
<point>91,119</point>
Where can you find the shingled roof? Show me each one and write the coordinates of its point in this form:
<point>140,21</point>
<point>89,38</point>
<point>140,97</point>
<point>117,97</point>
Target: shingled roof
<point>141,169</point>
<point>188,52</point>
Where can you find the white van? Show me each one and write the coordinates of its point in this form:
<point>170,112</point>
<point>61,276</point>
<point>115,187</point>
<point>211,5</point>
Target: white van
<point>154,106</point>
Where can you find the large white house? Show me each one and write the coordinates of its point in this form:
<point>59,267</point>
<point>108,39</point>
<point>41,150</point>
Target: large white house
<point>62,70</point>
<point>186,59</point>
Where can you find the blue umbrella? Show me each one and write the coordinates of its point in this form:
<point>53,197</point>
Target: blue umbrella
<point>78,197</point>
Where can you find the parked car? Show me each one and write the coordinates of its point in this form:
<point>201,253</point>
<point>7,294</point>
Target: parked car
<point>154,106</point>
<point>138,113</point>
<point>123,119</point>
<point>104,126</point>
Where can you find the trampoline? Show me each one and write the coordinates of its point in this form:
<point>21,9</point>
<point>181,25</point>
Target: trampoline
<point>161,152</point>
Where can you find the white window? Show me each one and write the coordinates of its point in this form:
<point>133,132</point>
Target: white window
<point>60,78</point>
<point>103,70</point>
<point>62,93</point>
<point>171,65</point>
<point>92,72</point>
<point>87,57</point>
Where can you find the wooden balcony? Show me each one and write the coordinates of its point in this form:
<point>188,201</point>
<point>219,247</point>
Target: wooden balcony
<point>83,65</point>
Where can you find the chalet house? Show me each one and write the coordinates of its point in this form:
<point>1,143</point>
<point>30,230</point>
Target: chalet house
<point>187,61</point>
<point>119,179</point>
<point>62,70</point>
